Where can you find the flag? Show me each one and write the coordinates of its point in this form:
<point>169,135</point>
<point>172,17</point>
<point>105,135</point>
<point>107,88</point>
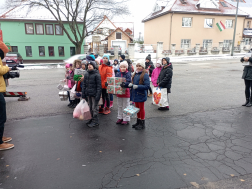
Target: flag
<point>221,26</point>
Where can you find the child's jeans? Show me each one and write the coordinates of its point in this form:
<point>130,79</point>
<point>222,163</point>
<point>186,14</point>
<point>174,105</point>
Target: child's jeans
<point>122,104</point>
<point>141,113</point>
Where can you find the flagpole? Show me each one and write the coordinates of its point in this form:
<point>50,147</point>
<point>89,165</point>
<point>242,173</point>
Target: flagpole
<point>232,51</point>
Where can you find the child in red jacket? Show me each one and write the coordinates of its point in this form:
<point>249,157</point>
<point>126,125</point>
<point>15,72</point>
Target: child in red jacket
<point>105,72</point>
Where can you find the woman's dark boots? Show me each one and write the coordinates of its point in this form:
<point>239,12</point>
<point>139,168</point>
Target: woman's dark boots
<point>247,102</point>
<point>250,103</point>
<point>136,124</point>
<point>141,126</point>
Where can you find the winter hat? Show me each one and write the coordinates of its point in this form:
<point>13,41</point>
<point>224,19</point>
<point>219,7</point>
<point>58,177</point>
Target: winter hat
<point>106,55</point>
<point>124,63</point>
<point>93,63</point>
<point>67,66</point>
<point>3,49</point>
<point>167,59</point>
<point>122,56</point>
<point>116,61</point>
<point>90,57</point>
<point>70,65</point>
<point>148,57</point>
<point>141,63</point>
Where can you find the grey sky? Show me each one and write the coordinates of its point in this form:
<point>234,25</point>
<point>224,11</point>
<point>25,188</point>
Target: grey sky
<point>139,10</point>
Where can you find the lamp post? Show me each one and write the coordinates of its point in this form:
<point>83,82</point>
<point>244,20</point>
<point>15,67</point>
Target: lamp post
<point>232,51</point>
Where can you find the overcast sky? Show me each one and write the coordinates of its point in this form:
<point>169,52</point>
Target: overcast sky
<point>139,10</point>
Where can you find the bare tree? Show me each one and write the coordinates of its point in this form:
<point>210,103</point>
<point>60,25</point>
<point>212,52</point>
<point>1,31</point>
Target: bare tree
<point>81,16</point>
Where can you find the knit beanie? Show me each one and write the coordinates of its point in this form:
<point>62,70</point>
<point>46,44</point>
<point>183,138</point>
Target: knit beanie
<point>67,66</point>
<point>93,63</point>
<point>167,59</point>
<point>124,63</point>
<point>3,49</point>
<point>116,61</point>
<point>122,56</point>
<point>106,55</point>
<point>141,63</point>
<point>90,57</point>
<point>148,57</point>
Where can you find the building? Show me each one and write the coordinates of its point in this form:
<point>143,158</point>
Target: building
<point>36,35</point>
<point>109,34</point>
<point>191,22</point>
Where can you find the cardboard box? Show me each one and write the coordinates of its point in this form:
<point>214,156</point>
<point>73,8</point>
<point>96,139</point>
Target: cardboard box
<point>115,80</point>
<point>131,111</point>
<point>113,89</point>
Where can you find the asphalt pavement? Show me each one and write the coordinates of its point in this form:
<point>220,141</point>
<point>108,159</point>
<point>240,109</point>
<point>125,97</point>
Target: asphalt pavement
<point>204,141</point>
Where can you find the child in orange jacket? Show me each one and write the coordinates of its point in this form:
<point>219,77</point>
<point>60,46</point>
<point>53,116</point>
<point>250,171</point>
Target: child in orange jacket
<point>105,72</point>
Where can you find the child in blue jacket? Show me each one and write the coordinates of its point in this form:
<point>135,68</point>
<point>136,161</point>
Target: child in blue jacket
<point>140,84</point>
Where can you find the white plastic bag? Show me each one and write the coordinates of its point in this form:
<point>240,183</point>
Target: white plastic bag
<point>82,111</point>
<point>73,92</point>
<point>160,97</point>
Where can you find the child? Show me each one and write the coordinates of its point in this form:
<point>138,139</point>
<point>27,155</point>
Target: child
<point>70,82</point>
<point>140,84</point>
<point>83,65</point>
<point>155,73</point>
<point>131,68</point>
<point>91,92</point>
<point>123,101</point>
<point>77,66</point>
<point>105,72</point>
<point>149,67</point>
<point>165,78</point>
<point>116,66</point>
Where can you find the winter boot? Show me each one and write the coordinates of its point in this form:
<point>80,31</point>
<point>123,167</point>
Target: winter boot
<point>250,103</point>
<point>119,121</point>
<point>125,123</point>
<point>141,126</point>
<point>137,123</point>
<point>101,110</point>
<point>107,111</point>
<point>247,102</point>
<point>94,122</point>
<point>89,122</point>
<point>111,104</point>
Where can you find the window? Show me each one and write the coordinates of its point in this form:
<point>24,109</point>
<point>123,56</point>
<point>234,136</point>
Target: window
<point>99,31</point>
<point>28,50</point>
<point>208,23</point>
<point>128,33</point>
<point>49,29</point>
<point>72,51</point>
<point>51,51</point>
<point>187,22</point>
<point>41,51</point>
<point>29,29</point>
<point>205,42</point>
<point>223,4</point>
<point>226,43</point>
<point>110,31</point>
<point>248,24</point>
<point>61,51</point>
<point>39,29</point>
<point>118,35</point>
<point>185,42</point>
<point>58,30</point>
<point>229,24</point>
<point>14,48</point>
<point>247,41</point>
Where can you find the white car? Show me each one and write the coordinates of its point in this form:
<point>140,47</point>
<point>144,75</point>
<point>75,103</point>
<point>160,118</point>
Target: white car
<point>75,57</point>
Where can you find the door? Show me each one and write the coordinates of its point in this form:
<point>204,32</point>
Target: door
<point>122,44</point>
<point>72,51</point>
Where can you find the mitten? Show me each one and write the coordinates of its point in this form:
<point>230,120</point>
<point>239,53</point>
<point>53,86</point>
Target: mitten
<point>135,86</point>
<point>130,85</point>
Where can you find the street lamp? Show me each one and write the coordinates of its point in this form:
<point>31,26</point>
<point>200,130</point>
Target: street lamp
<point>232,51</point>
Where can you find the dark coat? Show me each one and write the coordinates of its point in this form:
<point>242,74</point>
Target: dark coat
<point>149,66</point>
<point>140,94</point>
<point>247,71</point>
<point>165,77</point>
<point>92,85</point>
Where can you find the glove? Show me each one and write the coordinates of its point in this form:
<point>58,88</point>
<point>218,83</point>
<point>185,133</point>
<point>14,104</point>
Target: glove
<point>78,94</point>
<point>106,84</point>
<point>130,85</point>
<point>123,84</point>
<point>135,86</point>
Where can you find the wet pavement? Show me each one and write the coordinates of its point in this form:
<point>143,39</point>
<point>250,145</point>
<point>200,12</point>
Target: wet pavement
<point>61,152</point>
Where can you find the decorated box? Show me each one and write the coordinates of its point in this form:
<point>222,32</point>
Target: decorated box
<point>115,80</point>
<point>113,89</point>
<point>131,110</point>
<point>79,72</point>
<point>63,95</point>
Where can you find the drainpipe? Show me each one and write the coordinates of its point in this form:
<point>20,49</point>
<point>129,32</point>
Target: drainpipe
<point>232,51</point>
<point>170,31</point>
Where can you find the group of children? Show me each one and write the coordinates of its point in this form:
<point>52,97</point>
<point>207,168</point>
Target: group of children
<point>93,86</point>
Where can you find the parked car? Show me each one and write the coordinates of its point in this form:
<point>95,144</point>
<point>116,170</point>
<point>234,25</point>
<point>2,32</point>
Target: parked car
<point>148,49</point>
<point>13,59</point>
<point>119,50</point>
<point>75,57</point>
